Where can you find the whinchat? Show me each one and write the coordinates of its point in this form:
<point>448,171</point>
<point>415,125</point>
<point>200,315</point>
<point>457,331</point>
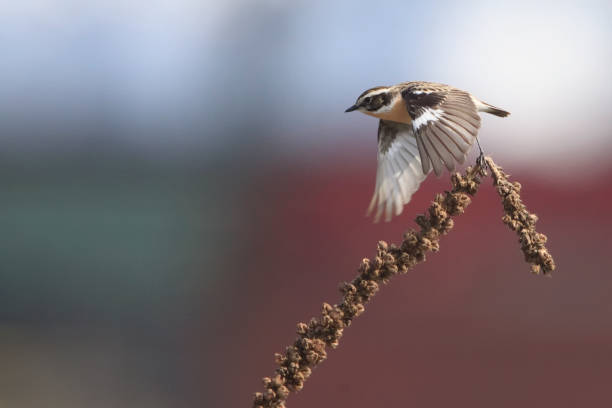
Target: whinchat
<point>423,125</point>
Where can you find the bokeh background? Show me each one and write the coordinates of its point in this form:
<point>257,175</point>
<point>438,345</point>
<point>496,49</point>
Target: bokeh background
<point>179,186</point>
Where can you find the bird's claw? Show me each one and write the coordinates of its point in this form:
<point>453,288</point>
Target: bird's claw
<point>481,162</point>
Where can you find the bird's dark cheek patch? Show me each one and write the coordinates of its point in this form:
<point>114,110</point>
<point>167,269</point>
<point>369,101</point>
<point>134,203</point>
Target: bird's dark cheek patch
<point>378,102</point>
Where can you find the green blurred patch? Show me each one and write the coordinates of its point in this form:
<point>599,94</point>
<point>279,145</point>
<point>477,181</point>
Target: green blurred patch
<point>109,239</point>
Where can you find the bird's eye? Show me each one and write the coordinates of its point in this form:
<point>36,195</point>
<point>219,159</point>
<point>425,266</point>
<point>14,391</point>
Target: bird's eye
<point>368,99</point>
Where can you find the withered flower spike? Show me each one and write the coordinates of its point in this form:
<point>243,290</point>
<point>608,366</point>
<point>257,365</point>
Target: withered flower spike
<point>518,219</point>
<point>309,349</point>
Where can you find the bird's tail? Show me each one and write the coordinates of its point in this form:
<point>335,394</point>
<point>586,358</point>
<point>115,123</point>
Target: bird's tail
<point>485,107</point>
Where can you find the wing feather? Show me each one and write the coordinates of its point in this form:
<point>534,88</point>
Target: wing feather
<point>443,153</point>
<point>449,145</point>
<point>459,146</point>
<point>411,148</point>
<point>425,159</point>
<point>395,203</point>
<point>399,172</point>
<point>466,117</point>
<point>461,121</point>
<point>466,136</point>
<point>412,162</point>
<point>445,121</point>
<point>466,110</point>
<point>397,164</point>
<point>432,153</point>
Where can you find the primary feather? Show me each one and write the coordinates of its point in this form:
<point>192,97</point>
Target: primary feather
<point>399,172</point>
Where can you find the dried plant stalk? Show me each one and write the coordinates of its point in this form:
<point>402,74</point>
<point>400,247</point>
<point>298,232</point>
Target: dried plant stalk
<point>308,350</point>
<point>518,219</point>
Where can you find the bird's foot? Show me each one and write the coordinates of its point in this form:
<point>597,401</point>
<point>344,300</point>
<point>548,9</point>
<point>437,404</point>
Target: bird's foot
<point>481,162</point>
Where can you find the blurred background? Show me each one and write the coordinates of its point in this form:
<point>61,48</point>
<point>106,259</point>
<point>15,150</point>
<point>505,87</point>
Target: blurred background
<point>180,187</point>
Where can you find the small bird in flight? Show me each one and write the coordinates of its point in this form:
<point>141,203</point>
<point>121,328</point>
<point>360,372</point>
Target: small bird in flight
<point>423,125</point>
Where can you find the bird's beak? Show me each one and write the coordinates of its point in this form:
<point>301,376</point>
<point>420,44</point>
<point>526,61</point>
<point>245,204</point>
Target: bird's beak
<point>352,108</point>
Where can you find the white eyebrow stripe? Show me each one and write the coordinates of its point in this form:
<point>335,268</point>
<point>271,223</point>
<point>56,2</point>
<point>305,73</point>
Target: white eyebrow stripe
<point>376,92</point>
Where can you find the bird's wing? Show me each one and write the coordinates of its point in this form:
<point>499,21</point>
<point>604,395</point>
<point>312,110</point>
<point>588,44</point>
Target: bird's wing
<point>445,122</point>
<point>399,172</point>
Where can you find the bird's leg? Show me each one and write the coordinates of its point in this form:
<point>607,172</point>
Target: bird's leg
<point>480,161</point>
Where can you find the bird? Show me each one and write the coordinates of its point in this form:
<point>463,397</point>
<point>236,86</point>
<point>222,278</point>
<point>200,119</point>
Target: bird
<point>423,126</point>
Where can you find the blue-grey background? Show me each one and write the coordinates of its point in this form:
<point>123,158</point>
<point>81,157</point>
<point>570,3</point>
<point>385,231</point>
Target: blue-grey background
<point>157,156</point>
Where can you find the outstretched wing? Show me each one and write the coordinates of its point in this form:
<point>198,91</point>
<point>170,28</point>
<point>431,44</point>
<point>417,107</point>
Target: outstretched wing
<point>445,121</point>
<point>399,172</point>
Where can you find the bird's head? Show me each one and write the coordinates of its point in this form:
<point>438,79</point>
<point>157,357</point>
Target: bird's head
<point>373,101</point>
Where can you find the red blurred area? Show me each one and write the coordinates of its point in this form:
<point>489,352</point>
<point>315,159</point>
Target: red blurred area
<point>471,327</point>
